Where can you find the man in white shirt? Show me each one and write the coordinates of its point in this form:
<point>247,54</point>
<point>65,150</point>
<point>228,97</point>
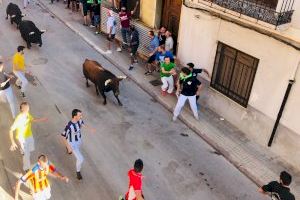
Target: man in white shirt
<point>169,42</point>
<point>111,31</point>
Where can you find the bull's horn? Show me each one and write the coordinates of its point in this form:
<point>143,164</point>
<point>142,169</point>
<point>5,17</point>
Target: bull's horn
<point>23,15</point>
<point>122,77</point>
<point>31,33</point>
<point>43,31</point>
<point>13,16</point>
<point>107,82</point>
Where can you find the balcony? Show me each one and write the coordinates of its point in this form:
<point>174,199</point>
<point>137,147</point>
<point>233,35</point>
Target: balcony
<point>263,10</point>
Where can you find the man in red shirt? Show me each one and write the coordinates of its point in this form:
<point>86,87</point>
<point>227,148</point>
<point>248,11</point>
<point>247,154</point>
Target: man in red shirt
<point>125,22</point>
<point>135,182</point>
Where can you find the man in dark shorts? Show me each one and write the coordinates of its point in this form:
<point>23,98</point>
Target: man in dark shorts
<point>134,45</point>
<point>154,43</point>
<point>86,6</point>
<point>279,190</point>
<point>195,72</point>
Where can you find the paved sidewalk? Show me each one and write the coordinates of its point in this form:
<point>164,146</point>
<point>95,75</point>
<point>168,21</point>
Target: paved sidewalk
<point>255,161</point>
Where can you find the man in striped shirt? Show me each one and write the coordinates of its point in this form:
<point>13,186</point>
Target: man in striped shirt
<point>72,138</point>
<point>37,176</point>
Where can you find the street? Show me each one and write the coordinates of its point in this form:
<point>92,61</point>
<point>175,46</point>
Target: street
<point>178,163</point>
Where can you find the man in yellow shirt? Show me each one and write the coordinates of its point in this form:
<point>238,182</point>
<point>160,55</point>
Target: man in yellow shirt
<point>22,126</point>
<point>19,69</point>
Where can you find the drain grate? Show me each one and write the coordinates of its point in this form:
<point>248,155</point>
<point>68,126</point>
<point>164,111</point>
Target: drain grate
<point>156,82</point>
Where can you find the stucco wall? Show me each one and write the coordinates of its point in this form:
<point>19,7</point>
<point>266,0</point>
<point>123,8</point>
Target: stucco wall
<point>199,34</point>
<point>150,12</point>
<point>296,15</point>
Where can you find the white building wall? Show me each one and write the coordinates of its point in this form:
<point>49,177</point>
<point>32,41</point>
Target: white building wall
<point>296,15</point>
<point>199,34</point>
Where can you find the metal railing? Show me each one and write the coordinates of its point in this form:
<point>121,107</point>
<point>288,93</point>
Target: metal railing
<point>253,9</point>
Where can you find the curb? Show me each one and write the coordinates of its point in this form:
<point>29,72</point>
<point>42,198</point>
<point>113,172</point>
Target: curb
<point>217,147</point>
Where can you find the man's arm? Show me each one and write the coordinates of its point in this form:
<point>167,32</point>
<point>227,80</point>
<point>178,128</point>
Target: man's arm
<point>91,129</point>
<point>13,146</point>
<point>42,119</point>
<point>206,72</point>
<point>18,185</point>
<point>56,174</point>
<point>134,10</point>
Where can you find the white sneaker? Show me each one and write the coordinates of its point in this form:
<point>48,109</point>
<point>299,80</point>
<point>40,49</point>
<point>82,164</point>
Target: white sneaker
<point>108,52</point>
<point>119,49</point>
<point>174,118</point>
<point>197,118</point>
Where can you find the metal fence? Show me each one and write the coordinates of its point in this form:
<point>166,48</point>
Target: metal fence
<point>142,29</point>
<point>254,9</point>
<point>234,73</point>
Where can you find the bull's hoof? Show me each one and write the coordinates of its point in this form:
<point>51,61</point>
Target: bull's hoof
<point>40,45</point>
<point>120,104</point>
<point>6,17</point>
<point>104,103</point>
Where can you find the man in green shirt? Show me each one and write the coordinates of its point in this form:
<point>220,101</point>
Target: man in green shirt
<point>167,70</point>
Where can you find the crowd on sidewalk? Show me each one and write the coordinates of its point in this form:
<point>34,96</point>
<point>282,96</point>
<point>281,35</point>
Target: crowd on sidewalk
<point>181,82</point>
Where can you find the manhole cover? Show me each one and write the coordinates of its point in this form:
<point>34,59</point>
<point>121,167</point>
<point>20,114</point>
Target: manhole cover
<point>39,61</point>
<point>156,82</point>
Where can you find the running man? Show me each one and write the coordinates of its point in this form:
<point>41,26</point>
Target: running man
<point>22,126</point>
<point>6,90</point>
<point>135,182</point>
<point>195,73</point>
<point>39,184</point>
<point>186,89</point>
<point>19,69</point>
<point>72,138</point>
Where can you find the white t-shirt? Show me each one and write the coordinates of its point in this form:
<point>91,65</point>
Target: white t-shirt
<point>169,44</point>
<point>111,22</point>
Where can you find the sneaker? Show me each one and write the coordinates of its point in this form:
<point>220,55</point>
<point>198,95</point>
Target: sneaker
<point>174,118</point>
<point>23,94</point>
<point>79,177</point>
<point>130,67</point>
<point>97,32</point>
<point>121,197</point>
<point>163,93</point>
<point>108,52</point>
<point>148,73</point>
<point>92,26</point>
<point>136,61</point>
<point>197,118</point>
<point>119,49</point>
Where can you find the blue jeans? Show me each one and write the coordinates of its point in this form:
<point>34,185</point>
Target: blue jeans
<point>125,34</point>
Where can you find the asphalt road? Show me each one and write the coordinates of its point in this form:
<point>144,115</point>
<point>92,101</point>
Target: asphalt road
<point>176,166</point>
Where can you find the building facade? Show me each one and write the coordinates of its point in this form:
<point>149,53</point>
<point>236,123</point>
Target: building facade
<point>252,50</point>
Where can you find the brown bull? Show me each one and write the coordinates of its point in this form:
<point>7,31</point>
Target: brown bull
<point>103,79</point>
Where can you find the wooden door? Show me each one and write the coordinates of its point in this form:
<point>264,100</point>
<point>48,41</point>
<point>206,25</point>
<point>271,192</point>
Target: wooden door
<point>171,17</point>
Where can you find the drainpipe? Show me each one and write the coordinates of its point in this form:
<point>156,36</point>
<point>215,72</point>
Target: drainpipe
<point>285,98</point>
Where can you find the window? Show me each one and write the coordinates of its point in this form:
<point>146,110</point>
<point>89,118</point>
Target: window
<point>234,73</point>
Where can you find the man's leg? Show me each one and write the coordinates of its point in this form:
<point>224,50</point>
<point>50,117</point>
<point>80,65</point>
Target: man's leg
<point>28,146</point>
<point>170,84</point>
<point>79,159</point>
<point>164,86</point>
<point>124,36</point>
<point>23,79</point>
<point>11,100</point>
<point>25,3</point>
<point>179,105</point>
<point>193,105</point>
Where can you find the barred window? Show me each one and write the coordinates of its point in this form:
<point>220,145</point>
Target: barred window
<point>234,73</point>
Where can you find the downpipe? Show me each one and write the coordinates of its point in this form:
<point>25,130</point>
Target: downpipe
<point>285,98</point>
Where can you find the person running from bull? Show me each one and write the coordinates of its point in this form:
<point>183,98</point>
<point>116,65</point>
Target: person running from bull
<point>6,90</point>
<point>19,69</point>
<point>125,23</point>
<point>22,126</point>
<point>135,177</point>
<point>195,72</point>
<point>37,177</point>
<point>134,45</point>
<point>187,88</point>
<point>72,138</point>
<point>279,190</point>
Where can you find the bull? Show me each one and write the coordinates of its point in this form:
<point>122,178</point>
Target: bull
<point>14,13</point>
<point>30,33</point>
<point>103,79</point>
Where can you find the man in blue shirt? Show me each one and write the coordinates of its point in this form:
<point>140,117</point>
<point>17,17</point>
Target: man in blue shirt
<point>154,43</point>
<point>161,53</point>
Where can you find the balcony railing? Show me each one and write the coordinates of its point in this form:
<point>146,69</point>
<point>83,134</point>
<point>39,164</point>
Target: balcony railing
<point>255,10</point>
